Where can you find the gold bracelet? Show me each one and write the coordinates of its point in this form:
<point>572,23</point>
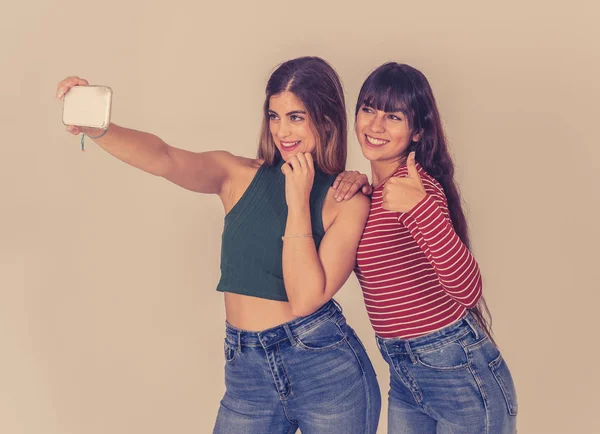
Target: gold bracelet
<point>297,236</point>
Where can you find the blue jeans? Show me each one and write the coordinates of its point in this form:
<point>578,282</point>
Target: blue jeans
<point>452,381</point>
<point>311,373</point>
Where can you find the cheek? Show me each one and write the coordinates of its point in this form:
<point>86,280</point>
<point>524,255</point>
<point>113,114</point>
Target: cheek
<point>358,128</point>
<point>361,124</point>
<point>401,135</point>
<point>273,128</point>
<point>311,141</point>
<point>305,133</point>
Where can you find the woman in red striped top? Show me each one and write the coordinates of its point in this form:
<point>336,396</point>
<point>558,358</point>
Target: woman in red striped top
<point>421,284</point>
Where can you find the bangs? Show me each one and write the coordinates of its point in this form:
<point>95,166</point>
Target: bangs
<point>387,90</point>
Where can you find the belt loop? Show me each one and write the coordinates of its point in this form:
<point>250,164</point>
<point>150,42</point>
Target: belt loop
<point>290,335</point>
<point>339,306</point>
<point>239,340</point>
<point>469,321</point>
<point>413,359</point>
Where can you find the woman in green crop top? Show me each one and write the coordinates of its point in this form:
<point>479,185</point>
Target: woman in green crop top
<point>288,247</point>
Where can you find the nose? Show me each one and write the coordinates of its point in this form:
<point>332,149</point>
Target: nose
<point>377,124</point>
<point>284,130</point>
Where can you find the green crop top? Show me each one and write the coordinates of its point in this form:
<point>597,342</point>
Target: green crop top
<point>251,245</point>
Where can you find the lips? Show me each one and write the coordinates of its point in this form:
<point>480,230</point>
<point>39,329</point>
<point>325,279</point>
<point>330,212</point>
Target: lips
<point>374,142</point>
<point>288,146</point>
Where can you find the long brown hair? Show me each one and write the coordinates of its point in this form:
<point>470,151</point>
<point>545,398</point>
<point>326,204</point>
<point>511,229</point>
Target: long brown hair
<point>318,86</point>
<point>399,87</point>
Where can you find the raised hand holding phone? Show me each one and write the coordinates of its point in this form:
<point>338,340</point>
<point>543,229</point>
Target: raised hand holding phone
<point>86,108</point>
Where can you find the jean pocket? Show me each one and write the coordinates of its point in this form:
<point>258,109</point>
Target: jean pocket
<point>450,357</point>
<point>325,336</point>
<point>504,379</point>
<point>230,351</point>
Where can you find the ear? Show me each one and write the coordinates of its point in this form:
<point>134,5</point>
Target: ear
<point>417,136</point>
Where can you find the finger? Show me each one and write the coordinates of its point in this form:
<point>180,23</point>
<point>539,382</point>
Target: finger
<point>394,180</point>
<point>362,180</point>
<point>294,163</point>
<point>352,189</point>
<point>343,190</point>
<point>73,129</point>
<point>340,180</point>
<point>65,85</point>
<point>65,82</point>
<point>342,187</point>
<point>411,166</point>
<point>387,189</point>
<point>353,184</point>
<point>68,83</point>
<point>75,81</point>
<point>286,169</point>
<point>310,160</point>
<point>302,160</point>
<point>368,189</point>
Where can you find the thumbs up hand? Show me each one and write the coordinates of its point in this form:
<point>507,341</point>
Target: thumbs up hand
<point>403,194</point>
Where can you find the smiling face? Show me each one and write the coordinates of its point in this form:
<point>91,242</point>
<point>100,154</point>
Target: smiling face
<point>290,125</point>
<point>383,135</point>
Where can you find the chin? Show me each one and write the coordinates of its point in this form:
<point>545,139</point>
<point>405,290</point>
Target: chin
<point>370,154</point>
<point>286,155</point>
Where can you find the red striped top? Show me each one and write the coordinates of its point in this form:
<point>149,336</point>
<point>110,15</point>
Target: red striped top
<point>415,273</point>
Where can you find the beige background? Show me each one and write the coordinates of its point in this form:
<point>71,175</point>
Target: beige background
<point>109,320</point>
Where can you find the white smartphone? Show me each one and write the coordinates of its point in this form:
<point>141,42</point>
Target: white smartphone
<point>87,106</point>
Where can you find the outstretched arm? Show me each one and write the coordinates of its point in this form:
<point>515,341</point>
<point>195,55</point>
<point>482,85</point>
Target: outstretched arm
<point>204,172</point>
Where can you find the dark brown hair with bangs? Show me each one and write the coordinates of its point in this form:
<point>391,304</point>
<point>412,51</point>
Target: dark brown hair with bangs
<point>397,87</point>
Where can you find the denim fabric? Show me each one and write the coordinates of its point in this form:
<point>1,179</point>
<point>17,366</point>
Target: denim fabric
<point>452,381</point>
<point>312,373</point>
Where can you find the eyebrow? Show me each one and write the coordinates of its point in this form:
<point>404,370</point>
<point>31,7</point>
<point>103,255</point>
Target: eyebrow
<point>294,112</point>
<point>393,111</point>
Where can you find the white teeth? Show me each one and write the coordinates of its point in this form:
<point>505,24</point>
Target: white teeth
<point>289,144</point>
<point>374,141</point>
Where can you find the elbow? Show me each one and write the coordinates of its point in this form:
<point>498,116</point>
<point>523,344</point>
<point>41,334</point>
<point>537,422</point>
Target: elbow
<point>303,308</point>
<point>164,167</point>
<point>473,303</point>
<point>476,294</point>
<point>306,305</point>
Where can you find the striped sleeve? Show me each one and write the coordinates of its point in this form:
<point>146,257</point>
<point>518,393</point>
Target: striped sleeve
<point>430,225</point>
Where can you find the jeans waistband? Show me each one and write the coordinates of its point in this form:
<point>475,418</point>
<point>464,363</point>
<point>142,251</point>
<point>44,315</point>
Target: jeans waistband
<point>285,331</point>
<point>433,340</point>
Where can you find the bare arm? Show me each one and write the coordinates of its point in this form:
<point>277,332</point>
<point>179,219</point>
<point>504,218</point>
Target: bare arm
<point>204,172</point>
<point>311,278</point>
